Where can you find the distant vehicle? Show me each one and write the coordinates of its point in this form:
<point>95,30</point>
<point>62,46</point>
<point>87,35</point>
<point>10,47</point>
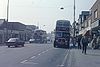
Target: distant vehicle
<point>40,36</point>
<point>31,40</point>
<point>48,41</point>
<point>15,42</point>
<point>62,34</point>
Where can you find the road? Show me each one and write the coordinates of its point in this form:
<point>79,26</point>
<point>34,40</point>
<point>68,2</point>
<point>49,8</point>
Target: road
<point>45,55</point>
<point>33,55</point>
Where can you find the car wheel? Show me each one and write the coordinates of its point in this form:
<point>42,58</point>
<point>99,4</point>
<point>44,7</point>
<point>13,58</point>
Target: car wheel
<point>8,45</point>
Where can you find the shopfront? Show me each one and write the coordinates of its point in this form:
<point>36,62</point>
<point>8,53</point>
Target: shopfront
<point>95,28</point>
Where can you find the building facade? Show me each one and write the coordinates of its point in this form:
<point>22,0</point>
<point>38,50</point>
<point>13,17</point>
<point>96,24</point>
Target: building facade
<point>30,31</point>
<point>11,30</point>
<point>15,29</point>
<point>95,18</point>
<point>89,21</point>
<point>83,22</point>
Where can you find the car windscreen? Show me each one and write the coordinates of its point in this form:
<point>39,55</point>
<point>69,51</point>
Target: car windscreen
<point>31,40</point>
<point>12,40</point>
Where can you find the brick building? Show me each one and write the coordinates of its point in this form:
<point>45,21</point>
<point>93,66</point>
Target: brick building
<point>95,18</point>
<point>91,25</point>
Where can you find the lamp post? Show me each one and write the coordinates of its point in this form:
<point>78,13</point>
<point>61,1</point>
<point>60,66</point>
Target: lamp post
<point>74,34</point>
<point>7,10</point>
<point>74,18</point>
<point>74,24</point>
<point>61,8</point>
<point>6,34</point>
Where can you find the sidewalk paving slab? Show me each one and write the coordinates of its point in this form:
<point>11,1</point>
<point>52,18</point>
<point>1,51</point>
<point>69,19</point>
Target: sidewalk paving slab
<point>78,59</point>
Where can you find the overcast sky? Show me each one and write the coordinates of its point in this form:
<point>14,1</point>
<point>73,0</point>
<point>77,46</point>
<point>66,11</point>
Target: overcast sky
<point>43,13</point>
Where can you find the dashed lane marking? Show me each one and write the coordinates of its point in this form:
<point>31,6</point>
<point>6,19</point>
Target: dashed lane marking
<point>24,61</point>
<point>39,54</point>
<point>27,62</point>
<point>43,52</point>
<point>32,57</point>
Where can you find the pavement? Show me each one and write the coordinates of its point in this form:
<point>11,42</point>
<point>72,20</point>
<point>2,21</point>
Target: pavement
<point>78,59</point>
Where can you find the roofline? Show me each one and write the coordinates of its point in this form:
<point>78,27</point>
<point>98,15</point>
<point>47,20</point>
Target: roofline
<point>94,4</point>
<point>2,19</point>
<point>16,22</point>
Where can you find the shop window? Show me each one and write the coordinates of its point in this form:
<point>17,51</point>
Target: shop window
<point>95,14</point>
<point>89,22</point>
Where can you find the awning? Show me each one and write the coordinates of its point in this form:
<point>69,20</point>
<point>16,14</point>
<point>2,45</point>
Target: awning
<point>86,31</point>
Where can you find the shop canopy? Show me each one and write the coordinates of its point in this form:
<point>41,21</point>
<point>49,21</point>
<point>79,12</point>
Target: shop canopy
<point>86,32</point>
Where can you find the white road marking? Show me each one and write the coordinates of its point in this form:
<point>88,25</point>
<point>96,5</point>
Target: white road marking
<point>47,50</point>
<point>62,64</point>
<point>29,63</point>
<point>24,61</point>
<point>43,52</point>
<point>32,57</point>
<point>39,54</point>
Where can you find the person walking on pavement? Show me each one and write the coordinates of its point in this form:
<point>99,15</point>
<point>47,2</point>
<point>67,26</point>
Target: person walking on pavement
<point>79,45</point>
<point>84,41</point>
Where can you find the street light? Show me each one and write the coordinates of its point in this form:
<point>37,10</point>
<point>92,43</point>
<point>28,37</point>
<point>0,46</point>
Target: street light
<point>7,10</point>
<point>74,19</point>
<point>6,34</point>
<point>61,8</point>
<point>74,34</point>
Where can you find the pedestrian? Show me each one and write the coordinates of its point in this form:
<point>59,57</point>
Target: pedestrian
<point>94,43</point>
<point>98,40</point>
<point>79,45</point>
<point>84,41</point>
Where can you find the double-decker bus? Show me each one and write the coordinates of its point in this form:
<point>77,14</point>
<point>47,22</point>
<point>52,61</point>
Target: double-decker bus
<point>62,34</point>
<point>40,36</point>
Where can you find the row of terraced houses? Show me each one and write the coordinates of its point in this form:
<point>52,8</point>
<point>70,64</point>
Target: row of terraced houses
<point>89,22</point>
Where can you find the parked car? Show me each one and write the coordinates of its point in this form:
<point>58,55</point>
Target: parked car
<point>31,40</point>
<point>15,42</point>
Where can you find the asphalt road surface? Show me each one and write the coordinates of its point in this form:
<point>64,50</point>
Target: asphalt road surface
<point>34,55</point>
